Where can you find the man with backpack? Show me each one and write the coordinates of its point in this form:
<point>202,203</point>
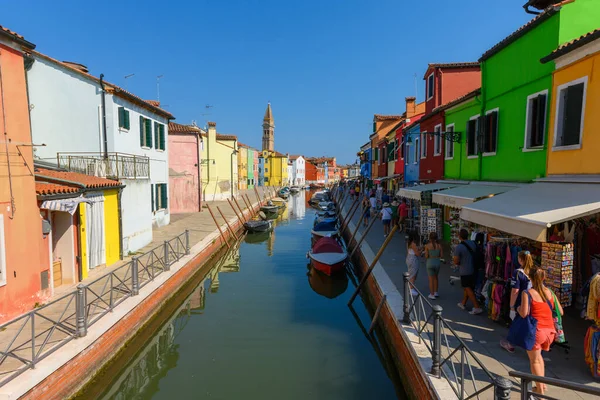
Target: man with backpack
<point>465,258</point>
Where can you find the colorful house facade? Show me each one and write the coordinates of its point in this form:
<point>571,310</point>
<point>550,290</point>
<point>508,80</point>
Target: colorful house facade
<point>24,277</point>
<point>382,125</point>
<point>365,160</point>
<point>242,156</point>
<point>275,168</point>
<point>219,165</point>
<point>573,140</point>
<point>412,148</point>
<point>252,167</point>
<point>185,186</point>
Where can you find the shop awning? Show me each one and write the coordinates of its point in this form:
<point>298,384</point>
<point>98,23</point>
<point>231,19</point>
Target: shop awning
<point>64,205</point>
<point>530,210</point>
<point>467,194</point>
<point>414,192</point>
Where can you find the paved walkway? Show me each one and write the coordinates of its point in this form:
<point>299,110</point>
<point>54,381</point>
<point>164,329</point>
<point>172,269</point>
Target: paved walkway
<point>481,334</point>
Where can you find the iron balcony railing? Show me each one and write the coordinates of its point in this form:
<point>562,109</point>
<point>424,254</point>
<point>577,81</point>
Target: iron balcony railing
<point>116,165</point>
<point>30,338</point>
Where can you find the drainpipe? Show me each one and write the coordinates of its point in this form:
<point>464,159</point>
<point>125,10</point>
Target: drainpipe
<point>103,96</point>
<point>198,141</point>
<point>119,197</point>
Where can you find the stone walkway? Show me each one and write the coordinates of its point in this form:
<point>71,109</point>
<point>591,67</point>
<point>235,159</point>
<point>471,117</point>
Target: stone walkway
<point>481,334</point>
<point>15,338</point>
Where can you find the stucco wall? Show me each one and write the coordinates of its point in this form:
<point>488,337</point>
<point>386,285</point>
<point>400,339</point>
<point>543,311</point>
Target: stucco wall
<point>183,173</point>
<point>411,167</point>
<point>459,166</point>
<point>217,177</point>
<point>432,166</point>
<point>585,159</point>
<point>64,245</point>
<point>111,226</point>
<point>136,205</point>
<point>20,227</point>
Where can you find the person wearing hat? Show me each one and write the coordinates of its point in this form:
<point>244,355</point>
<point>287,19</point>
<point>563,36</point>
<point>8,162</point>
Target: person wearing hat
<point>386,218</point>
<point>394,207</point>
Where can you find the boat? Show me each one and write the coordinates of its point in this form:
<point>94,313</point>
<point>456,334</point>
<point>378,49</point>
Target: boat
<point>326,213</point>
<point>328,256</point>
<point>326,205</point>
<point>331,220</point>
<point>278,201</point>
<point>318,197</point>
<point>325,285</point>
<point>284,195</point>
<point>294,189</point>
<point>270,209</point>
<point>258,226</point>
<point>324,229</point>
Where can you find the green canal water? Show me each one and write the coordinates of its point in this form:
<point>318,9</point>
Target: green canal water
<point>260,325</point>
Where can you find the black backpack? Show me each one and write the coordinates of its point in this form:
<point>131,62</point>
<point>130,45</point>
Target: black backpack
<point>477,256</point>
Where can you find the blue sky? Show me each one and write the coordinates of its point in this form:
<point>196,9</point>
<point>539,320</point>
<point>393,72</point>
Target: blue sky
<point>326,66</point>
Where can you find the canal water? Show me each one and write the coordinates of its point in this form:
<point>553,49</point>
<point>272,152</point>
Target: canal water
<point>261,325</point>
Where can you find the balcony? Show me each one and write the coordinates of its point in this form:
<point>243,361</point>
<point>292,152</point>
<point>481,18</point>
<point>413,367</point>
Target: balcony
<point>117,166</point>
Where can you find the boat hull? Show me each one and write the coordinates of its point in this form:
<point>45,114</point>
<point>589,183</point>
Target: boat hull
<point>326,268</point>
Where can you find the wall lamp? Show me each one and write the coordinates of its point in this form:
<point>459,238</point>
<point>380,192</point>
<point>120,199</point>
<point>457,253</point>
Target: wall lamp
<point>205,161</point>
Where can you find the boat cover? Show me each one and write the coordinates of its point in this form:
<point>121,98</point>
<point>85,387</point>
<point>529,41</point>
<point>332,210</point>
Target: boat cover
<point>327,245</point>
<point>325,226</point>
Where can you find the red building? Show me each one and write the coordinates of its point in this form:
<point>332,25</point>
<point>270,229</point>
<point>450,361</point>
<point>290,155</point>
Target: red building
<point>443,83</point>
<point>310,171</point>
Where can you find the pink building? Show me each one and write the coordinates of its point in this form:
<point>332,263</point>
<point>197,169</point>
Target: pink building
<point>184,168</point>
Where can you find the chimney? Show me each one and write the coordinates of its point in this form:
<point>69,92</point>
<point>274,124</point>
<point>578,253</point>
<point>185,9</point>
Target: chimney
<point>212,132</point>
<point>411,107</point>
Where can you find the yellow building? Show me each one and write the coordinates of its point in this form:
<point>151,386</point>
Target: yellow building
<point>391,155</point>
<point>219,164</point>
<point>573,140</point>
<point>276,168</point>
<point>242,156</point>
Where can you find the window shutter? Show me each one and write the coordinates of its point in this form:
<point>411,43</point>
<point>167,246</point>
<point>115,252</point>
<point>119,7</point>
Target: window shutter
<point>142,134</point>
<point>121,117</point>
<point>152,196</point>
<point>163,195</point>
<point>494,131</point>
<point>148,132</point>
<point>156,135</point>
<point>162,137</point>
<point>157,197</point>
<point>126,117</point>
<point>541,120</point>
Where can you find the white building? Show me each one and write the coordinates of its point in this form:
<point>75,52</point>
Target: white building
<point>298,175</point>
<point>67,114</point>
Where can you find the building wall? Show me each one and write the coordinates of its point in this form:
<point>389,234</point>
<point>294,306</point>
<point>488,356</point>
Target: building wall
<point>311,173</point>
<point>136,204</point>
<point>458,82</point>
<point>251,168</point>
<point>432,166</point>
<point>22,256</point>
<point>184,195</point>
<point>217,178</point>
<point>63,236</point>
<point>261,171</point>
<point>412,159</point>
<point>242,158</point>
<point>366,165</point>
<point>111,226</point>
<point>459,166</point>
<point>399,165</point>
<point>585,159</point>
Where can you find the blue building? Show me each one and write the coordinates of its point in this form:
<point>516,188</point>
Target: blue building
<point>365,161</point>
<point>412,154</point>
<point>261,171</point>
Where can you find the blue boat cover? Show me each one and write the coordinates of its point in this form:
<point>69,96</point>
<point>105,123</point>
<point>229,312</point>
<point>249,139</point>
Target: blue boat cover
<point>325,226</point>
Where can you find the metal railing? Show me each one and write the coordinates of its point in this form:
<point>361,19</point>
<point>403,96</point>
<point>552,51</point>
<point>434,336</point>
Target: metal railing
<point>451,357</point>
<point>116,165</point>
<point>28,339</point>
<point>527,379</point>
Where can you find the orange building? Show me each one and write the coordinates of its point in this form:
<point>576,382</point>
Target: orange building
<point>24,277</point>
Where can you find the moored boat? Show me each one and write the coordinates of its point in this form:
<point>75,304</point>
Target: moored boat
<point>328,256</point>
<point>258,226</point>
<point>294,189</point>
<point>323,229</point>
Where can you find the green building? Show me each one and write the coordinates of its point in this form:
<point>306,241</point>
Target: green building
<point>504,126</point>
<point>252,167</point>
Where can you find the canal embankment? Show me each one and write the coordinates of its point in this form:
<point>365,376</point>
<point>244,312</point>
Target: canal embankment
<point>484,360</point>
<point>61,373</point>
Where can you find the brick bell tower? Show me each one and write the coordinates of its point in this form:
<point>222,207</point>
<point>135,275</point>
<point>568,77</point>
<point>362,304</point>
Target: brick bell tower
<point>268,139</point>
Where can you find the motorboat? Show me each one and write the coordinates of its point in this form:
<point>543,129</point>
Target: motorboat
<point>278,201</point>
<point>326,205</point>
<point>326,213</point>
<point>284,194</point>
<point>294,189</point>
<point>332,220</point>
<point>258,226</point>
<point>318,197</point>
<point>325,285</point>
<point>328,256</point>
<point>323,229</point>
<point>270,208</point>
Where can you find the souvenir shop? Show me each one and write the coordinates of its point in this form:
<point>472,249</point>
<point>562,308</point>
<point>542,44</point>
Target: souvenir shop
<point>561,230</point>
<point>423,216</point>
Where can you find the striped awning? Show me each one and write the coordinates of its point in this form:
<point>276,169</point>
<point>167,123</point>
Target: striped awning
<point>64,205</point>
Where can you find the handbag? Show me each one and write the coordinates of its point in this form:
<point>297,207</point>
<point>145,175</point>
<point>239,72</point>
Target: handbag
<point>522,330</point>
<point>560,333</point>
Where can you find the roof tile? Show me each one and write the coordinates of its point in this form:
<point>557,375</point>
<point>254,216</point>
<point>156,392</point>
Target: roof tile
<point>572,45</point>
<point>179,128</point>
<point>43,174</point>
<point>45,188</point>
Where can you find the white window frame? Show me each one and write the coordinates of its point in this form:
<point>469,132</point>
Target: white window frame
<point>2,253</point>
<point>449,144</point>
<point>432,75</point>
<point>437,140</point>
<point>557,113</point>
<point>529,98</point>
<point>476,155</point>
<point>493,153</point>
<point>423,145</point>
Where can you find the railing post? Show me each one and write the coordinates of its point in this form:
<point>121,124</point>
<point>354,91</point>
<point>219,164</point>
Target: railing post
<point>406,317</point>
<point>134,167</point>
<point>117,169</point>
<point>166,255</point>
<point>135,278</point>
<point>502,388</point>
<point>80,305</point>
<point>187,241</point>
<point>437,341</point>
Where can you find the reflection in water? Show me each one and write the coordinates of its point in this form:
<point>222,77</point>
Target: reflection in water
<point>298,205</point>
<point>327,286</point>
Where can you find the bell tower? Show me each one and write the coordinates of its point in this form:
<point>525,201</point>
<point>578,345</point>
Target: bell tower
<point>268,139</point>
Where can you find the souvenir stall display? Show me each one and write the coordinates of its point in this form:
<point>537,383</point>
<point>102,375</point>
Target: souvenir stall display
<point>431,221</point>
<point>557,260</point>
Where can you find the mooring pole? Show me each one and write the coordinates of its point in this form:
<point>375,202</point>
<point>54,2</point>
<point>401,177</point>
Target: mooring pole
<point>257,197</point>
<point>235,212</point>
<point>350,214</point>
<point>341,207</point>
<point>242,211</point>
<point>227,223</point>
<point>254,212</point>
<point>363,236</point>
<point>388,239</point>
<point>218,226</point>
<point>360,218</point>
<point>250,210</point>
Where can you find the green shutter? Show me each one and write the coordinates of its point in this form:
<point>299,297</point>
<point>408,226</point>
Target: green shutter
<point>121,117</point>
<point>162,137</point>
<point>148,132</point>
<point>141,131</point>
<point>156,135</point>
<point>126,119</point>
<point>156,196</point>
<point>152,196</point>
<point>163,195</point>
<point>376,154</point>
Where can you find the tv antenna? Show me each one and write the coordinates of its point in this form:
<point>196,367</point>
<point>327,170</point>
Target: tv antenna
<point>208,106</point>
<point>126,77</point>
<point>158,87</point>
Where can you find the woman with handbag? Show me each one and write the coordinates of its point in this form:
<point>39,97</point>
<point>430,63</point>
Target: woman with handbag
<point>535,327</point>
